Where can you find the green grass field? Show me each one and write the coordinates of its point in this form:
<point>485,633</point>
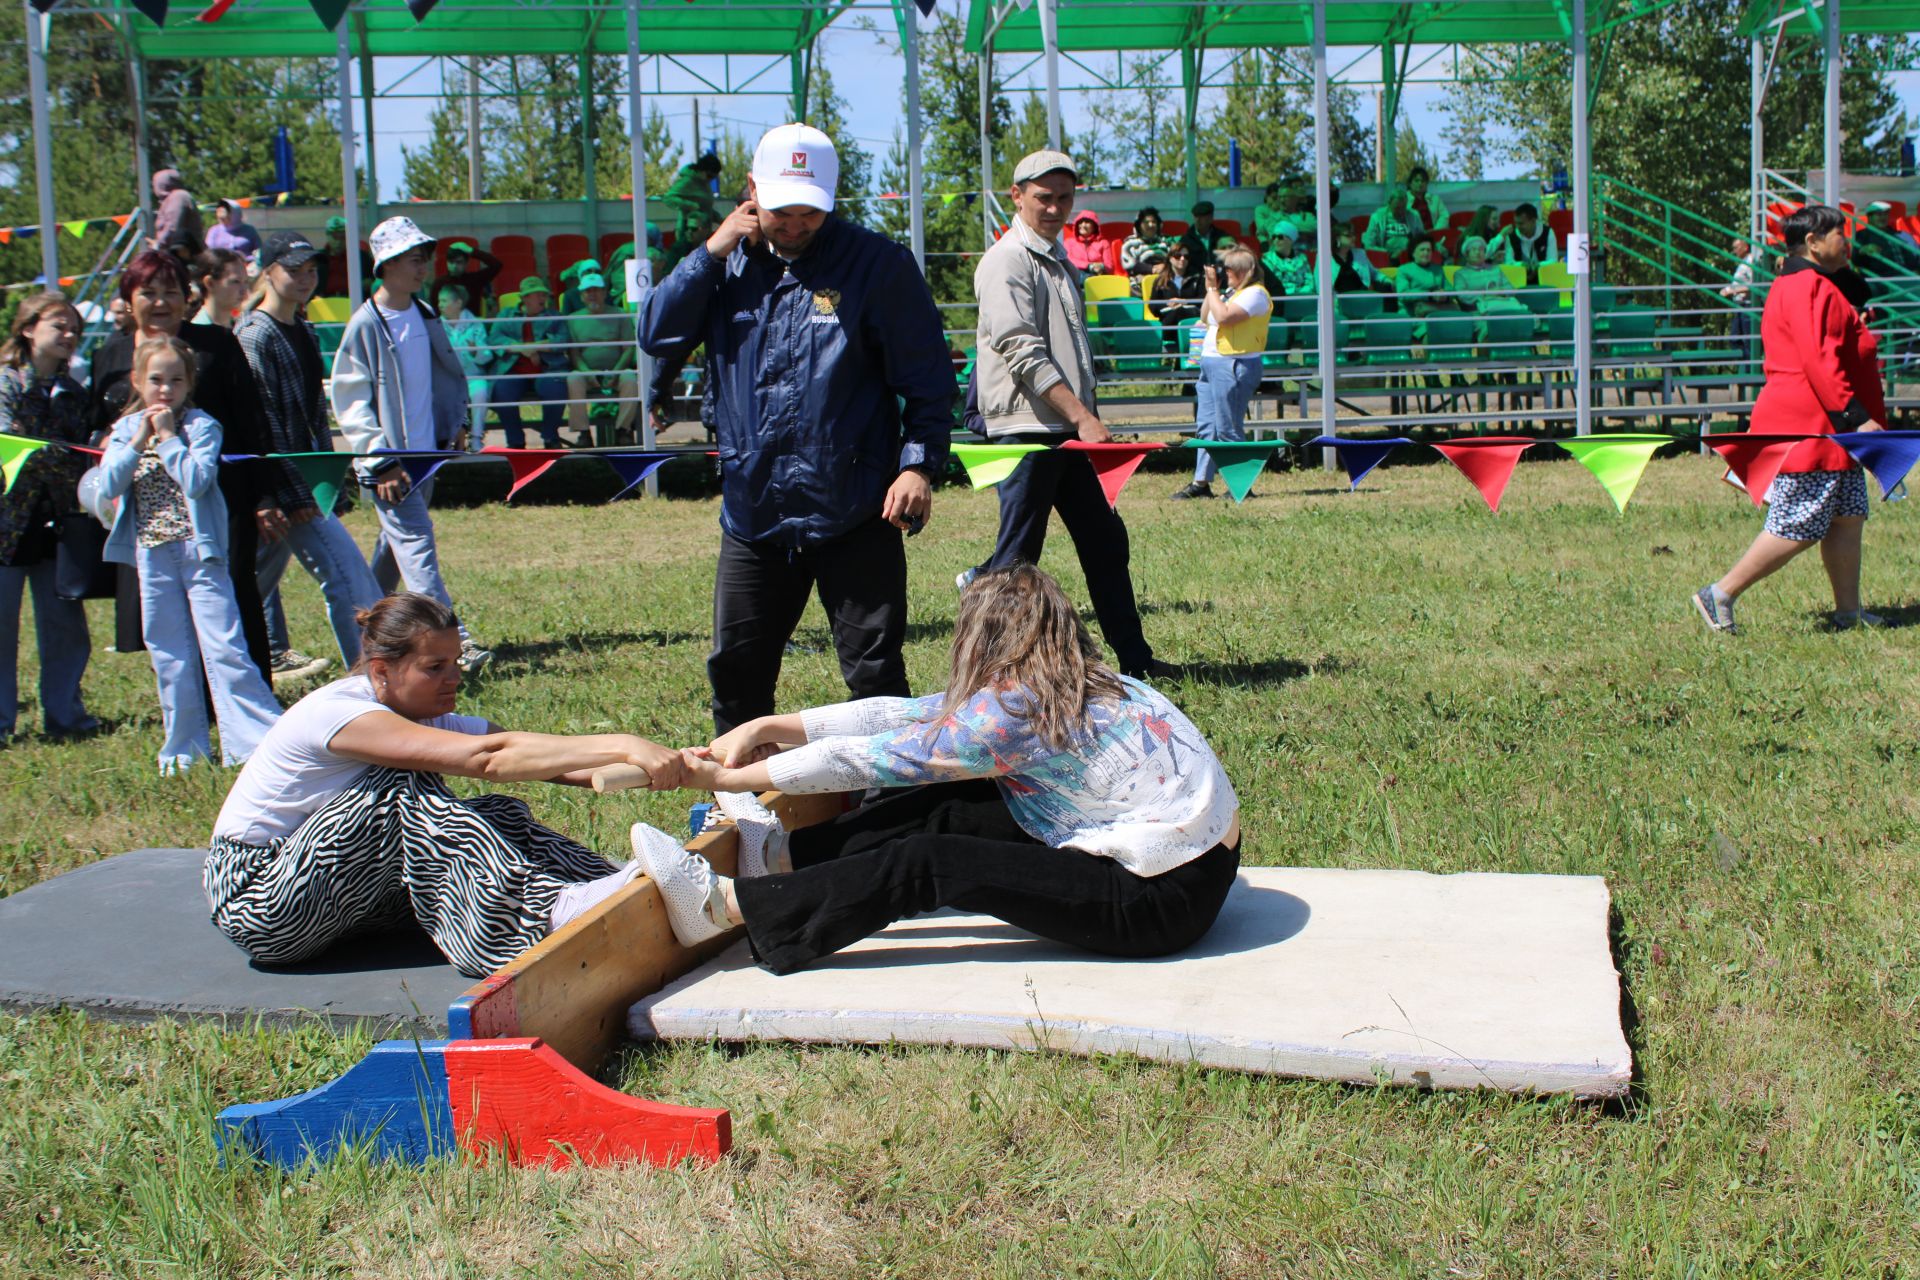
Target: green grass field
<point>1393,679</point>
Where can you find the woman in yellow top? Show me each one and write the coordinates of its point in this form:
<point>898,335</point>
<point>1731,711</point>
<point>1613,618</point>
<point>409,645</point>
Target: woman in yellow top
<point>1236,320</point>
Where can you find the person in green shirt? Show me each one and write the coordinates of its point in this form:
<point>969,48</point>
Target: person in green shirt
<point>1391,228</point>
<point>1882,251</point>
<point>1421,285</point>
<point>1479,285</point>
<point>1286,270</point>
<point>691,196</point>
<point>602,343</point>
<point>1269,213</point>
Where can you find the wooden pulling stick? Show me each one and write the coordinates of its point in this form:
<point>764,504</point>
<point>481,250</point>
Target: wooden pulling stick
<point>620,777</point>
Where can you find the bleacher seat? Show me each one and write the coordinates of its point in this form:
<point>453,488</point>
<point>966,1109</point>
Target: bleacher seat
<point>1515,273</point>
<point>327,315</point>
<point>1098,289</point>
<point>1506,336</point>
<point>1392,335</point>
<point>1560,335</point>
<point>1229,225</point>
<point>1173,227</point>
<point>1451,337</point>
<point>1380,259</point>
<point>1459,218</point>
<point>1561,220</point>
<point>1630,332</point>
<point>1554,275</point>
<point>517,260</point>
<point>562,252</point>
<point>1360,306</point>
<point>610,243</point>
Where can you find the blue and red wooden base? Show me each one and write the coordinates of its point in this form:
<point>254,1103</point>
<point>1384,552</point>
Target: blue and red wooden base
<point>512,1099</point>
<point>513,1082</point>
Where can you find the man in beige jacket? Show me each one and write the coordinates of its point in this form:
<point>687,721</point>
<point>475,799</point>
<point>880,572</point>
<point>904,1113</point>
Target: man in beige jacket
<point>1034,383</point>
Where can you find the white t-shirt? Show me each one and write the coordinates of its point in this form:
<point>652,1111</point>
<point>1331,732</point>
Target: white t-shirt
<point>1254,302</point>
<point>294,771</point>
<point>409,329</point>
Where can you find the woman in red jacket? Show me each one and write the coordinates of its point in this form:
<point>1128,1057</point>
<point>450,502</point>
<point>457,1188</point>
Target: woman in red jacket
<point>1823,375</point>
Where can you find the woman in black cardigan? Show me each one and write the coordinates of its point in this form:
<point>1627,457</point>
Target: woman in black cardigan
<point>258,494</point>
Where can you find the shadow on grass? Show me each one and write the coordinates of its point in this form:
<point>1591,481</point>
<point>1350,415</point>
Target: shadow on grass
<point>588,641</point>
<point>1268,671</point>
<point>1628,1105</point>
<point>1895,617</point>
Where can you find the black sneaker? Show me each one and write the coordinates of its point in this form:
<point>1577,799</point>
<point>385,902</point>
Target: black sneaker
<point>1198,489</point>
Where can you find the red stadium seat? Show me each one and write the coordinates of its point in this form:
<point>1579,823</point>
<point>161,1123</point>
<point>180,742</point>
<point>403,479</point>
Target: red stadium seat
<point>562,252</point>
<point>610,242</point>
<point>1229,225</point>
<point>1173,228</point>
<point>1115,231</point>
<point>440,251</point>
<point>1460,218</point>
<point>516,261</point>
<point>1561,220</point>
<point>1379,258</point>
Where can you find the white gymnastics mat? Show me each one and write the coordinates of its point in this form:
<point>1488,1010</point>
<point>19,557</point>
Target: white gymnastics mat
<point>1442,981</point>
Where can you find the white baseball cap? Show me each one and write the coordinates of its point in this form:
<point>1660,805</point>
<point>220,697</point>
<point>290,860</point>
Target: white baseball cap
<point>795,164</point>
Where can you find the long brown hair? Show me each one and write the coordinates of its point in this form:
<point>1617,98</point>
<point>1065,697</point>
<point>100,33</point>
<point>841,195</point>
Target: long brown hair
<point>18,353</point>
<point>1018,630</point>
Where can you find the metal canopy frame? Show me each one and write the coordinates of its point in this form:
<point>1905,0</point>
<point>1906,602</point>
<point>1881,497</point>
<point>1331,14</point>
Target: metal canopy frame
<point>1190,27</point>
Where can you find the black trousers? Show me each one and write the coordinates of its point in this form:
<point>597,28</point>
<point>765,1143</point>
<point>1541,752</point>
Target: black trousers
<point>1062,480</point>
<point>956,845</point>
<point>759,592</point>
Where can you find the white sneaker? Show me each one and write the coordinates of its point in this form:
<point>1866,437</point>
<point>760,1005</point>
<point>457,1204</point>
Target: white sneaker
<point>760,831</point>
<point>576,899</point>
<point>693,895</point>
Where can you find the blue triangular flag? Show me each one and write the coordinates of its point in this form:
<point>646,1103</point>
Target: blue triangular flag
<point>420,8</point>
<point>421,465</point>
<point>1360,456</point>
<point>925,7</point>
<point>634,468</point>
<point>1888,454</point>
<point>156,11</point>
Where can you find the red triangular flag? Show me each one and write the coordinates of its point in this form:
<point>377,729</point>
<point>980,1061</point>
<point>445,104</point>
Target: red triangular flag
<point>1113,463</point>
<point>528,464</point>
<point>6,234</point>
<point>1487,462</point>
<point>216,11</point>
<point>122,219</point>
<point>1755,458</point>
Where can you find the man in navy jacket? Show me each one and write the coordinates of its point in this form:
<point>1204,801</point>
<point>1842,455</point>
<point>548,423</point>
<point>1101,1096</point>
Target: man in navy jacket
<point>833,399</point>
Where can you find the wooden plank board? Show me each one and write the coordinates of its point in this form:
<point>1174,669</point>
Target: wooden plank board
<point>574,988</point>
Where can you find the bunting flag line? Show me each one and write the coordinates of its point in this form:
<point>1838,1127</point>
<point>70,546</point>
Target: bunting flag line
<point>6,234</point>
<point>76,228</point>
<point>634,468</point>
<point>420,8</point>
<point>1755,458</point>
<point>528,464</point>
<point>1616,461</point>
<point>1888,454</point>
<point>420,466</point>
<point>213,13</point>
<point>1240,461</point>
<point>14,452</point>
<point>1487,462</point>
<point>1358,457</point>
<point>1113,463</point>
<point>988,464</point>
<point>155,11</point>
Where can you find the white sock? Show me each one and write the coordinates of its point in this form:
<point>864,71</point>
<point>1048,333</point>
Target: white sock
<point>576,899</point>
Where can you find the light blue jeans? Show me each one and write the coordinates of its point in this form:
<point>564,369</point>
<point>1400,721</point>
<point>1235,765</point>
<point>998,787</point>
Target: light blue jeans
<point>190,623</point>
<point>328,552</point>
<point>60,627</point>
<point>1221,397</point>
<point>405,551</point>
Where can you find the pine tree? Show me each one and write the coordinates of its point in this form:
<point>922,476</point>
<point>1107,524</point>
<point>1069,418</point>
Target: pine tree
<point>1272,119</point>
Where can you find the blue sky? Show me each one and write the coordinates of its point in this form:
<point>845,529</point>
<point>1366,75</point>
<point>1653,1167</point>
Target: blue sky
<point>868,72</point>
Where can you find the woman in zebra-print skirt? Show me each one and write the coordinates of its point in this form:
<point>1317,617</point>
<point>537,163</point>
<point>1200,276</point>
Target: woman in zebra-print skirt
<point>341,821</point>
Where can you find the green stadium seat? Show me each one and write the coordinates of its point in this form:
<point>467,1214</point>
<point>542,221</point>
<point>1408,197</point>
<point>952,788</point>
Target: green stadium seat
<point>1631,331</point>
<point>1507,336</point>
<point>1393,338</point>
<point>1360,306</point>
<point>1451,337</point>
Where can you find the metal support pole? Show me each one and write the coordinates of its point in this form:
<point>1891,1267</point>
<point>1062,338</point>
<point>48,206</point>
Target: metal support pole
<point>1323,235</point>
<point>142,148</point>
<point>1050,38</point>
<point>909,18</point>
<point>986,144</point>
<point>800,72</point>
<point>366,107</point>
<point>349,175</point>
<point>643,363</point>
<point>1757,146</point>
<point>1582,228</point>
<point>42,144</point>
<point>1389,114</point>
<point>1830,15</point>
<point>589,157</point>
<point>474,184</point>
<point>1189,107</point>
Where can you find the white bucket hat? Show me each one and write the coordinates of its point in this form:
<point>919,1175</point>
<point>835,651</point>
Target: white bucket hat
<point>394,237</point>
<point>795,164</point>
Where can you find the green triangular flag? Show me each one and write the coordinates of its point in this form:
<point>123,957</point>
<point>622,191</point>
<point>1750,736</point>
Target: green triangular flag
<point>1240,461</point>
<point>330,11</point>
<point>323,473</point>
<point>77,228</point>
<point>988,464</point>
<point>14,452</point>
<point>1616,461</point>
